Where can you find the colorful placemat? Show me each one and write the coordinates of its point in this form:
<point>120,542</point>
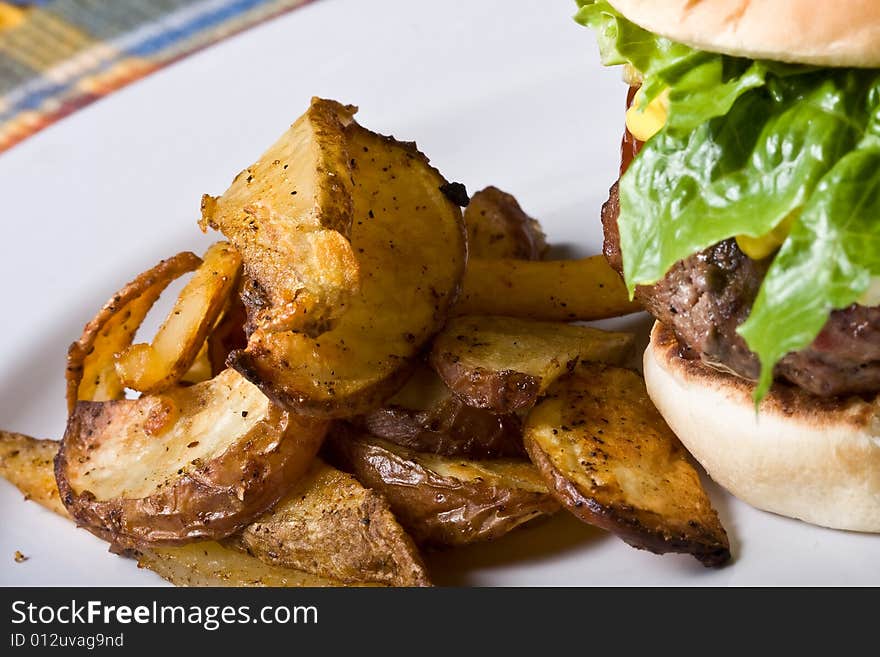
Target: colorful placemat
<point>59,55</point>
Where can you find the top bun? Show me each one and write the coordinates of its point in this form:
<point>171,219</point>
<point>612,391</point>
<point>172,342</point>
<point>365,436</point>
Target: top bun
<point>840,33</point>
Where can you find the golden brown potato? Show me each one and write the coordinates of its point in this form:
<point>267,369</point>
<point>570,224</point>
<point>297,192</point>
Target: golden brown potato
<point>208,563</point>
<point>442,500</point>
<point>27,463</point>
<point>290,216</point>
<point>192,463</point>
<point>91,368</point>
<point>497,227</point>
<point>410,243</point>
<point>553,290</point>
<point>201,369</point>
<point>426,417</point>
<point>329,524</point>
<point>609,457</point>
<point>157,366</point>
<point>504,364</point>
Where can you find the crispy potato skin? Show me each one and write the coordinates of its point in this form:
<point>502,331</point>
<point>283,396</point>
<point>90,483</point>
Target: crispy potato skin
<point>439,509</point>
<point>330,525</point>
<point>451,428</point>
<point>410,242</point>
<point>91,371</point>
<point>550,290</point>
<point>28,464</point>
<point>504,364</point>
<point>503,391</point>
<point>290,216</point>
<point>207,500</point>
<point>498,228</point>
<point>609,457</point>
<point>426,417</point>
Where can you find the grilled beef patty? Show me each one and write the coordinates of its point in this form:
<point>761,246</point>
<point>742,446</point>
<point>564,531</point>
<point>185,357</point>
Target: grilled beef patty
<point>706,296</point>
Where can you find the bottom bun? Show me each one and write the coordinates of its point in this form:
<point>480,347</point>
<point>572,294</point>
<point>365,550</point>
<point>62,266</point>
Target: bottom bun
<point>801,456</point>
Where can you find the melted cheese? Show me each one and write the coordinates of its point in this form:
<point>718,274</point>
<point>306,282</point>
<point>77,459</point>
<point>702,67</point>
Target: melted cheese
<point>758,248</point>
<point>645,122</point>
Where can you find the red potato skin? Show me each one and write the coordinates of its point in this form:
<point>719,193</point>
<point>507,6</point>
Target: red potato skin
<point>211,501</point>
<point>435,510</point>
<point>503,391</point>
<point>451,429</point>
<point>520,233</point>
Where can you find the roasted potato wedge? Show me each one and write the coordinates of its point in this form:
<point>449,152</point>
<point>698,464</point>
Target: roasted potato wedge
<point>290,216</point>
<point>192,463</point>
<point>207,563</point>
<point>91,368</point>
<point>552,290</point>
<point>442,500</point>
<point>505,364</point>
<point>410,243</point>
<point>331,525</point>
<point>426,417</point>
<point>609,457</point>
<point>27,463</point>
<point>154,367</point>
<point>497,227</point>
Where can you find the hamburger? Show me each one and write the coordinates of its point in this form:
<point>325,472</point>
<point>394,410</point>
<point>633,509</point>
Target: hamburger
<point>746,219</point>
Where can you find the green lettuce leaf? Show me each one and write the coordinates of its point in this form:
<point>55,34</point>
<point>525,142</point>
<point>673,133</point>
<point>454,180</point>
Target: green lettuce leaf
<point>740,174</point>
<point>746,145</point>
<point>826,263</point>
<point>703,85</point>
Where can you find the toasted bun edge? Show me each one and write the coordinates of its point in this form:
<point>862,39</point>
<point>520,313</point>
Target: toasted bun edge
<point>843,33</point>
<point>814,459</point>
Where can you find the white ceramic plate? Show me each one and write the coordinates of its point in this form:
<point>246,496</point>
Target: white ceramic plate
<point>495,92</point>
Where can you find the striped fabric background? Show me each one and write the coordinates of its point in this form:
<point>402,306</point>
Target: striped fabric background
<point>59,55</point>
